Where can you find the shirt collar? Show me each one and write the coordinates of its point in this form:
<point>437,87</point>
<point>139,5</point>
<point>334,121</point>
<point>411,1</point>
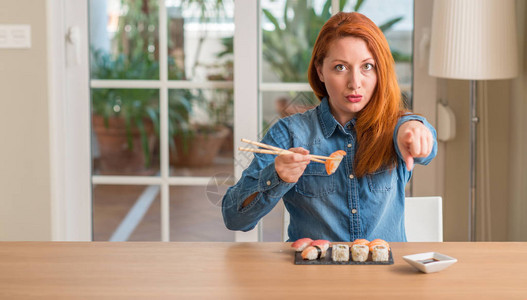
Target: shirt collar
<point>326,119</point>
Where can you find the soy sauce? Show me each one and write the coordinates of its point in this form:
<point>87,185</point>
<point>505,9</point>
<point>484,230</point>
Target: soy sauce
<point>428,260</point>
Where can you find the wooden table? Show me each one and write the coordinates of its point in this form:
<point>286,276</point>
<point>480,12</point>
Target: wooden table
<point>103,270</point>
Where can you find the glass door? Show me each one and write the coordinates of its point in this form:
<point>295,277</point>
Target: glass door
<point>162,118</point>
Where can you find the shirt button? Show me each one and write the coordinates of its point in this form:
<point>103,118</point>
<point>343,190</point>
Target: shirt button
<point>268,182</point>
<point>349,145</point>
<point>351,176</point>
<point>354,211</point>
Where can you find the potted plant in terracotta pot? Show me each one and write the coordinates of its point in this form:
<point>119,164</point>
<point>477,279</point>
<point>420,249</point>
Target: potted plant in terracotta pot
<point>125,122</point>
<point>201,120</point>
<point>197,126</point>
<point>126,128</point>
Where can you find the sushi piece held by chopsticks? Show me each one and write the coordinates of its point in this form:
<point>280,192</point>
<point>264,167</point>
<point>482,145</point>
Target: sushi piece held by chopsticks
<point>331,162</point>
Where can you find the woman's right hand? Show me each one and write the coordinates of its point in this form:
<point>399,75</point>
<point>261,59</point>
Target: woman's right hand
<point>291,166</point>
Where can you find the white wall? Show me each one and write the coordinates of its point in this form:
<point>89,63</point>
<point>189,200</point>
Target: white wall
<point>24,154</point>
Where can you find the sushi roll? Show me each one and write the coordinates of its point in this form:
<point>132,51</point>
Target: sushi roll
<point>340,252</point>
<point>377,242</point>
<point>360,242</point>
<point>379,253</point>
<point>301,244</point>
<point>313,252</point>
<point>323,244</point>
<point>359,253</point>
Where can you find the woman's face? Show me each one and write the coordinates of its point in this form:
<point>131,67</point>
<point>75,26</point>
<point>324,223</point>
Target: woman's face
<point>349,74</point>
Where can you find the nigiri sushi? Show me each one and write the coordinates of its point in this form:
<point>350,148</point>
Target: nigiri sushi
<point>301,244</point>
<point>333,164</point>
<point>313,252</point>
<point>323,244</point>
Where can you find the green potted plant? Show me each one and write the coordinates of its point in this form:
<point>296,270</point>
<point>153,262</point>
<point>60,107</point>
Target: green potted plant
<point>125,121</point>
<point>136,111</point>
<point>287,47</point>
<point>200,122</point>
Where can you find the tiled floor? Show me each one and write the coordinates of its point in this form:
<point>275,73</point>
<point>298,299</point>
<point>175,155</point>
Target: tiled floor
<point>194,216</point>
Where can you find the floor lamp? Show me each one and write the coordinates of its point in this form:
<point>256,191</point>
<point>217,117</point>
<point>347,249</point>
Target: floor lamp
<point>473,40</point>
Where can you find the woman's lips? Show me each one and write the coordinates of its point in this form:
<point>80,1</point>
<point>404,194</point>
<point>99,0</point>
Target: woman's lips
<point>354,98</point>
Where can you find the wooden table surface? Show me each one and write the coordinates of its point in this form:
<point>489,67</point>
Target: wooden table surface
<point>104,270</point>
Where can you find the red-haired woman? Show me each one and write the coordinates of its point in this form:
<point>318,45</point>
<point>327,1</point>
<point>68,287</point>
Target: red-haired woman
<point>361,112</point>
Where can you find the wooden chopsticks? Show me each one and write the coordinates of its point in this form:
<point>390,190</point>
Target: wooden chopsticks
<point>279,151</point>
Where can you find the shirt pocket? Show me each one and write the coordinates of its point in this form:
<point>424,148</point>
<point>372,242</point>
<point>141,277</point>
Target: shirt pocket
<point>315,182</point>
<point>382,181</point>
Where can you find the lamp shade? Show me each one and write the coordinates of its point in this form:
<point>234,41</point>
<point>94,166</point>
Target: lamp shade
<point>474,39</point>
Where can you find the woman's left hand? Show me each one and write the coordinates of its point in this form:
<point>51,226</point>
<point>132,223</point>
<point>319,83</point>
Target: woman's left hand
<point>414,140</point>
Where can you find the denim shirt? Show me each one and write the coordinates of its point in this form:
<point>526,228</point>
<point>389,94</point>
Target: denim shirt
<point>337,207</point>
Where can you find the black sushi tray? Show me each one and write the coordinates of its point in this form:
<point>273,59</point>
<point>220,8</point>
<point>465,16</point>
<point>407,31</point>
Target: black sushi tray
<point>328,261</point>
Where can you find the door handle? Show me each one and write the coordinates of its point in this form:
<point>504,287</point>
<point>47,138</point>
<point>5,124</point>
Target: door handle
<point>73,38</point>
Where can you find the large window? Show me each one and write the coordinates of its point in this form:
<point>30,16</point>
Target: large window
<point>289,29</point>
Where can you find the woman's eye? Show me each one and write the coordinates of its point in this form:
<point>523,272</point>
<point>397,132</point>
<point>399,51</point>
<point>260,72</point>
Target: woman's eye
<point>368,66</point>
<point>340,67</point>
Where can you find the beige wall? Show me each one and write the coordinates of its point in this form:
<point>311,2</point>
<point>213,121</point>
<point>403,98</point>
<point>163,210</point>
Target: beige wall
<point>492,185</point>
<point>24,155</point>
<point>504,187</point>
<point>426,180</point>
<point>518,162</point>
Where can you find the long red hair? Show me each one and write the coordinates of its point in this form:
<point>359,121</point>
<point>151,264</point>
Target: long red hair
<point>375,122</point>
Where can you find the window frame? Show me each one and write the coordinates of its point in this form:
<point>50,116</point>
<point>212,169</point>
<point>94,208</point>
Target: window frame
<point>69,124</point>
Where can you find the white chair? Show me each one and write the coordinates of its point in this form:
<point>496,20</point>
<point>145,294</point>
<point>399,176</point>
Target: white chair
<point>423,219</point>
